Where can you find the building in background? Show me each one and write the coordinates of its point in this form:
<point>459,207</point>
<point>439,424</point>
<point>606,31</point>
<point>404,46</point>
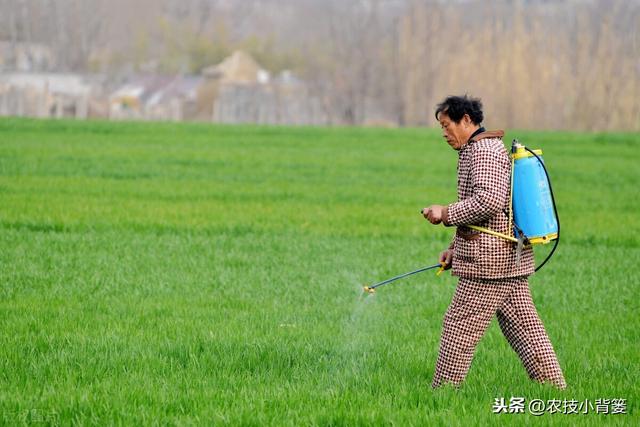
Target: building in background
<point>50,95</point>
<point>237,90</point>
<point>154,97</point>
<point>241,91</point>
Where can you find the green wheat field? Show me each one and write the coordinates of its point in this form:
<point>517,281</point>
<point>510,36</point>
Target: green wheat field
<point>190,274</point>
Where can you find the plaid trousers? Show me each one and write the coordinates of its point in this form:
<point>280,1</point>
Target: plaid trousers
<point>474,304</point>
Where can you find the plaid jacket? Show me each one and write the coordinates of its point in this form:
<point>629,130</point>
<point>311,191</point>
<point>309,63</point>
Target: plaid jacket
<point>484,181</point>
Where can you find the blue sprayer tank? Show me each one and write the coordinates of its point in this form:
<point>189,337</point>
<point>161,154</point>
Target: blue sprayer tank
<point>533,209</point>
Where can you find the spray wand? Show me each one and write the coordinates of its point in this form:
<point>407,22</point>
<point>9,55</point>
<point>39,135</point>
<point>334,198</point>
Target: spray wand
<point>372,289</point>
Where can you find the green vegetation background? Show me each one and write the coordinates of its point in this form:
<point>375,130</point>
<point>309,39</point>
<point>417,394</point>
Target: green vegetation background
<point>188,274</point>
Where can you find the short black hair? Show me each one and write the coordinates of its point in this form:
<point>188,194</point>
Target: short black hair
<point>457,106</point>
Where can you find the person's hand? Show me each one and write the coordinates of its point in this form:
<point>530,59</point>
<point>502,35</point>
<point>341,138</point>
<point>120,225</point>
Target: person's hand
<point>446,257</point>
<point>433,213</point>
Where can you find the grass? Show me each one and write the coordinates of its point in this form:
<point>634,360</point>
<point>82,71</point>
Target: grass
<point>188,274</point>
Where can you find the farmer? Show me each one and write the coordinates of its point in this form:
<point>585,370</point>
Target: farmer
<point>492,281</point>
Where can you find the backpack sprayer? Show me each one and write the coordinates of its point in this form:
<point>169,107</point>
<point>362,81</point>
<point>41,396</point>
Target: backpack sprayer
<point>532,209</point>
<point>532,206</point>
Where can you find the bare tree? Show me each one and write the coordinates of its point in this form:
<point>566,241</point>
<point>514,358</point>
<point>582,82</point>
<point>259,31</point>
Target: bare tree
<point>537,64</point>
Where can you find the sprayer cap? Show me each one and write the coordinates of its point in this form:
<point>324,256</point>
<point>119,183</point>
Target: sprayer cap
<point>521,153</point>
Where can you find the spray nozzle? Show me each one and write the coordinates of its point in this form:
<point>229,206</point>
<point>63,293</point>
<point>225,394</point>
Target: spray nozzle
<point>515,146</point>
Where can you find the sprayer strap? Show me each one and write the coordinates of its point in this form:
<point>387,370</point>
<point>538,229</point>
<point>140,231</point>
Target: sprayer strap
<point>493,233</point>
<point>513,164</point>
